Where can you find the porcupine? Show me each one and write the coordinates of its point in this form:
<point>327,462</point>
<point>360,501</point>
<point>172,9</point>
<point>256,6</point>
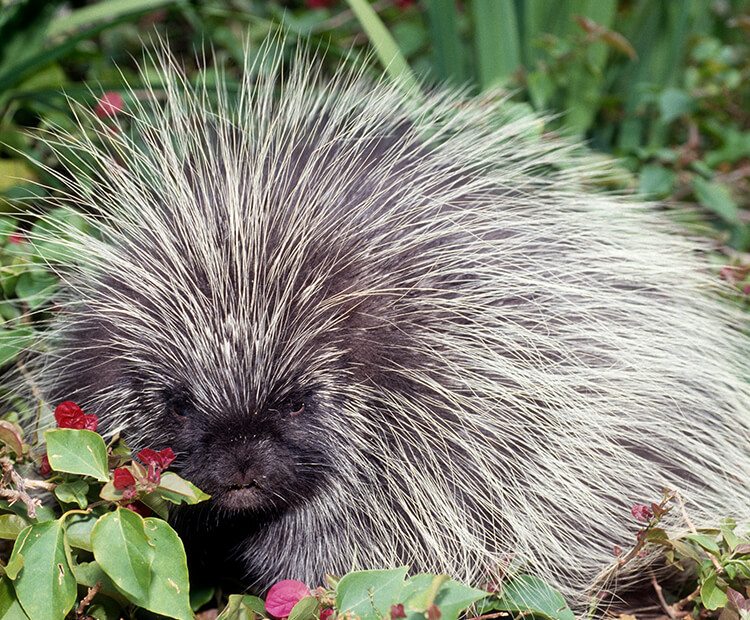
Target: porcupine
<point>384,330</point>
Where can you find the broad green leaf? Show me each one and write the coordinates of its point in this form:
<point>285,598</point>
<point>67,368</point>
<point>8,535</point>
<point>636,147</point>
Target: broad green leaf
<point>178,490</point>
<point>13,340</point>
<point>717,198</point>
<point>242,607</point>
<point>730,538</point>
<point>8,225</point>
<point>78,528</point>
<point>525,593</point>
<point>88,573</point>
<point>10,608</point>
<point>705,542</point>
<point>305,609</point>
<point>200,597</point>
<point>73,493</point>
<point>36,289</point>
<point>451,597</point>
<point>674,103</point>
<point>45,585</point>
<point>43,513</point>
<point>77,452</point>
<point>711,596</point>
<point>169,592</point>
<point>370,594</point>
<point>11,526</point>
<point>123,550</point>
<point>656,181</point>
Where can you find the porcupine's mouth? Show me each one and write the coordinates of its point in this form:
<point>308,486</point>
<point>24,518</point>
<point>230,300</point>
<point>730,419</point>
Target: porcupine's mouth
<point>248,496</point>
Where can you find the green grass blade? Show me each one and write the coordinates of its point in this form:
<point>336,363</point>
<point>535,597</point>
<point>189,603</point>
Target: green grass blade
<point>101,11</point>
<point>446,41</point>
<point>497,40</point>
<point>385,46</point>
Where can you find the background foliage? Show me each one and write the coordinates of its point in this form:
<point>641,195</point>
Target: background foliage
<point>663,85</point>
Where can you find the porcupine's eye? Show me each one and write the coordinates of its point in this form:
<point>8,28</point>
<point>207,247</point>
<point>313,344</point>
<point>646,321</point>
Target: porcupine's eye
<point>178,403</point>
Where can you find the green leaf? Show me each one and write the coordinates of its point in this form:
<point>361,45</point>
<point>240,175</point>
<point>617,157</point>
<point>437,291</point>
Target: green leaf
<point>13,340</point>
<point>711,596</point>
<point>73,493</point>
<point>451,597</point>
<point>11,526</point>
<point>77,452</point>
<point>45,586</point>
<point>525,593</point>
<point>8,225</point>
<point>124,551</point>
<point>178,490</point>
<point>43,513</point>
<point>656,181</point>
<point>717,198</point>
<point>242,607</point>
<point>200,597</point>
<point>78,528</point>
<point>36,288</point>
<point>705,542</point>
<point>370,594</point>
<point>730,538</point>
<point>674,103</point>
<point>10,608</point>
<point>169,592</point>
<point>305,609</point>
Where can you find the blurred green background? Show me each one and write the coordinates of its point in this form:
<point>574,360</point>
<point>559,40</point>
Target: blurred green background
<point>663,85</point>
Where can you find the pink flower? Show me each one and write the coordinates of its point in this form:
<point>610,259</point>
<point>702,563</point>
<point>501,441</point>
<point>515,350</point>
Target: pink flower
<point>16,238</point>
<point>69,415</point>
<point>326,614</point>
<point>319,4</point>
<point>641,513</point>
<point>283,596</point>
<point>123,478</point>
<point>109,104</point>
<point>397,611</point>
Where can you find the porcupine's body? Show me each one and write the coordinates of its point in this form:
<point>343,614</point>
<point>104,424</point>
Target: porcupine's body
<point>379,335</point>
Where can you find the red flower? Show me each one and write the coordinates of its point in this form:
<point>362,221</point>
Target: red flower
<point>326,613</point>
<point>109,104</point>
<point>45,469</point>
<point>319,4</point>
<point>405,4</point>
<point>157,462</point>
<point>641,513</point>
<point>16,238</point>
<point>123,478</point>
<point>162,459</point>
<point>69,415</point>
<point>283,596</point>
<point>397,611</point>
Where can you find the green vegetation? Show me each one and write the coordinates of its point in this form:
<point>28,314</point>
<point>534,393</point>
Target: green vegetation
<point>662,86</point>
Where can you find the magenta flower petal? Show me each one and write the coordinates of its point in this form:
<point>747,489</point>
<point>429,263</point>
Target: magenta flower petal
<point>122,478</point>
<point>284,595</point>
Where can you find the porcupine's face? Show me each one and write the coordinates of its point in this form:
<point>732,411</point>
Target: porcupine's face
<point>260,459</point>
